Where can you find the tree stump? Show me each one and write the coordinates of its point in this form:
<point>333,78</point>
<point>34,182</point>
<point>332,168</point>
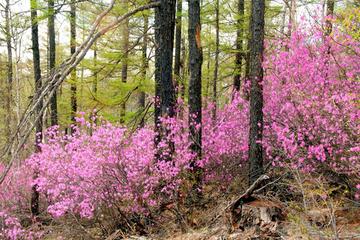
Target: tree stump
<point>251,211</point>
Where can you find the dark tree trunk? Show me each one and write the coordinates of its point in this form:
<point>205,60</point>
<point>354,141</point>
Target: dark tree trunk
<point>52,58</point>
<point>178,29</point>
<point>330,5</point>
<point>256,94</point>
<point>247,68</point>
<point>125,56</point>
<point>37,77</point>
<point>164,87</point>
<point>72,51</point>
<point>195,62</point>
<point>9,71</point>
<point>239,45</point>
<point>217,52</point>
<point>144,67</point>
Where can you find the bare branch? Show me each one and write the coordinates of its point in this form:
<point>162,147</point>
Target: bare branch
<point>52,83</point>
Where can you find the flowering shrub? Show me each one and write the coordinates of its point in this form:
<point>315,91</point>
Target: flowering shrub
<point>10,227</point>
<point>311,123</point>
<point>14,205</point>
<point>310,103</point>
<point>225,141</point>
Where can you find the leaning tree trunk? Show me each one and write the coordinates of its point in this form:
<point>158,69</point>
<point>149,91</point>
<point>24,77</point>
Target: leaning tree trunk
<point>9,71</point>
<point>239,45</point>
<point>52,59</point>
<point>125,56</point>
<point>217,51</point>
<point>256,90</point>
<point>73,87</point>
<point>37,77</point>
<point>165,99</point>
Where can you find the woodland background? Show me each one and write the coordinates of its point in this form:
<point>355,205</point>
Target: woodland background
<point>162,122</point>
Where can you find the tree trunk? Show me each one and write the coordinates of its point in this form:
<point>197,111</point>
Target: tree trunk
<point>256,92</point>
<point>329,13</point>
<point>207,88</point>
<point>178,29</point>
<point>52,58</point>
<point>283,21</point>
<point>164,88</point>
<point>9,71</point>
<point>37,77</point>
<point>95,72</point>
<point>144,67</point>
<point>239,45</point>
<point>292,17</point>
<point>95,82</point>
<point>195,62</point>
<point>217,51</point>
<point>184,70</point>
<point>73,73</point>
<point>125,57</point>
<point>247,55</point>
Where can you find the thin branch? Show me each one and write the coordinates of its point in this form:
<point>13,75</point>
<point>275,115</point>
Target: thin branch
<point>52,83</point>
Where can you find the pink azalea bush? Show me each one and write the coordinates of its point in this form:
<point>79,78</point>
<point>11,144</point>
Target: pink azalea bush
<point>14,204</point>
<point>225,141</point>
<point>10,227</point>
<point>311,111</point>
<point>83,172</point>
<point>311,123</point>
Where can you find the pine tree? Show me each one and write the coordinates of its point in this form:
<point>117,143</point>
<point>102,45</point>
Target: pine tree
<point>52,58</point>
<point>38,83</point>
<point>257,28</point>
<point>73,73</point>
<point>164,87</point>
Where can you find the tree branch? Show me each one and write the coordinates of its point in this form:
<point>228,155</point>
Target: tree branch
<point>52,83</point>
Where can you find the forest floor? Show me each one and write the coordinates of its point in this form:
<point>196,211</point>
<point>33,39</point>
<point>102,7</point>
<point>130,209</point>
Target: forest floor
<point>314,224</point>
<point>310,217</point>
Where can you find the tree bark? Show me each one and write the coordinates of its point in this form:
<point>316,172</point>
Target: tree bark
<point>38,83</point>
<point>292,17</point>
<point>144,67</point>
<point>217,52</point>
<point>125,56</point>
<point>93,115</point>
<point>330,5</point>
<point>164,87</point>
<point>239,45</point>
<point>52,59</point>
<point>184,70</point>
<point>178,29</point>
<point>73,86</point>
<point>195,62</point>
<point>9,71</point>
<point>256,90</point>
<point>95,72</point>
<point>195,104</point>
